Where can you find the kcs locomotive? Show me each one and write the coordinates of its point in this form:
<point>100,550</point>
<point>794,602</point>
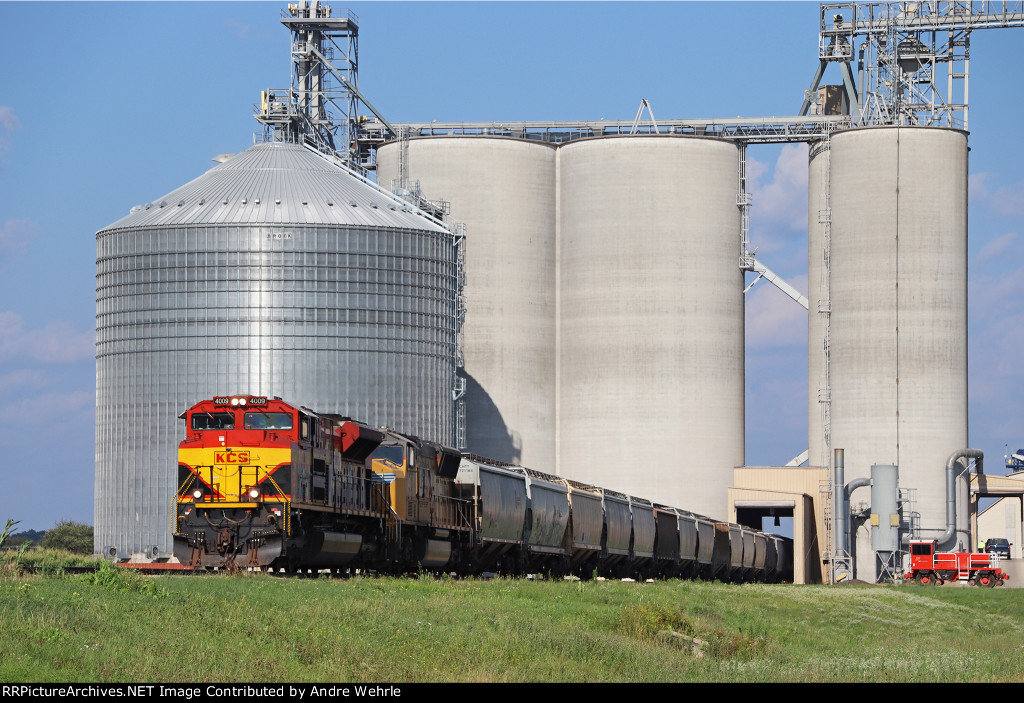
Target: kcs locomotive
<point>264,484</point>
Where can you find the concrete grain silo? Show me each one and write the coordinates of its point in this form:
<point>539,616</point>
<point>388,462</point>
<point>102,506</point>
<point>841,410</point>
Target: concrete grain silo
<point>651,356</point>
<point>503,189</point>
<point>274,273</point>
<point>817,302</point>
<point>898,271</point>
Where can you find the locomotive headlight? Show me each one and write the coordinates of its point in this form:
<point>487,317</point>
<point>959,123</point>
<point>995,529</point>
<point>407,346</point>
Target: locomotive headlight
<point>197,494</point>
<point>234,401</point>
<point>241,401</point>
<point>254,493</point>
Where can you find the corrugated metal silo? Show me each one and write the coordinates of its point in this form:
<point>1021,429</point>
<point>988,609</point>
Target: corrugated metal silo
<point>503,189</point>
<point>275,273</point>
<point>899,307</point>
<point>651,355</point>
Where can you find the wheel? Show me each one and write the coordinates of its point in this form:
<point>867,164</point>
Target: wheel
<point>986,579</point>
<point>925,578</point>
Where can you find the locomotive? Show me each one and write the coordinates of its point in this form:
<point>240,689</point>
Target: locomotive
<point>263,484</point>
<point>928,567</point>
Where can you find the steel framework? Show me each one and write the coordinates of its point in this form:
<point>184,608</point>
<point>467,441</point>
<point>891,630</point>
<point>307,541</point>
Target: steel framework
<point>913,58</point>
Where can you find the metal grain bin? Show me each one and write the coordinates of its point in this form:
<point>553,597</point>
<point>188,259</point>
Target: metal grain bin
<point>274,273</point>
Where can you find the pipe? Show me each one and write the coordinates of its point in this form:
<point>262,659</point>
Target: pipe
<point>843,509</point>
<point>945,542</point>
<point>838,476</point>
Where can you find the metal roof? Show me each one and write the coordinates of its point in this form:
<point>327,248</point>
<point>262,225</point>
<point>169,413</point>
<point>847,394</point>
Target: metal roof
<point>278,183</point>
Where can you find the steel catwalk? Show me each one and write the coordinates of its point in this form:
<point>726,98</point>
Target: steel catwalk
<point>275,273</point>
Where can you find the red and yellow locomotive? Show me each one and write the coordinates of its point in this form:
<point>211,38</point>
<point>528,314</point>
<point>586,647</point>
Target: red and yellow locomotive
<point>262,483</point>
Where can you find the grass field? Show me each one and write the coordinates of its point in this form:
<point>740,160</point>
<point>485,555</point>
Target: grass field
<point>116,626</point>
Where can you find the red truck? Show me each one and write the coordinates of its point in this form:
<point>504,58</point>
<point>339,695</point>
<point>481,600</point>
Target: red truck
<point>927,567</point>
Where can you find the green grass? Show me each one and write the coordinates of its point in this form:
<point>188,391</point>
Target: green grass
<point>117,626</point>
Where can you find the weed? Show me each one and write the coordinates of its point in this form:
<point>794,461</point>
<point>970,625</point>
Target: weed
<point>123,580</point>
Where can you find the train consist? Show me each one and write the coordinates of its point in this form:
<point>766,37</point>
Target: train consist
<point>264,484</point>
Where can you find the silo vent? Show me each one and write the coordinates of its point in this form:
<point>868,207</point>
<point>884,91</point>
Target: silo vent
<point>180,203</point>
<point>202,201</point>
<point>163,203</point>
<point>277,201</point>
<point>330,203</point>
<point>257,201</point>
<point>353,203</point>
<point>245,201</point>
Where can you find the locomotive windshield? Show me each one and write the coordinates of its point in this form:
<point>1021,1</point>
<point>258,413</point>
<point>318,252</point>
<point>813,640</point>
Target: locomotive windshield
<point>393,453</point>
<point>268,421</point>
<point>213,421</point>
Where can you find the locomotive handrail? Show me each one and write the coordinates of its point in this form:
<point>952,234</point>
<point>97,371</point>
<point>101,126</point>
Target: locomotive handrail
<point>176,501</point>
<point>287,506</point>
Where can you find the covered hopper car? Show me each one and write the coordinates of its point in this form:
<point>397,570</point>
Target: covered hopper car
<point>267,485</point>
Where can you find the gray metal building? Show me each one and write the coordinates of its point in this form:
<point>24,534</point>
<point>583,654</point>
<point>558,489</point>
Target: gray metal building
<point>275,273</point>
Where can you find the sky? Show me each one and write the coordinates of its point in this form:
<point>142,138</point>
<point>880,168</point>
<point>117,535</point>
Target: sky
<point>104,106</point>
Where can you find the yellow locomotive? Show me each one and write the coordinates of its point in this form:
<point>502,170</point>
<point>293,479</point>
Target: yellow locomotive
<point>262,483</point>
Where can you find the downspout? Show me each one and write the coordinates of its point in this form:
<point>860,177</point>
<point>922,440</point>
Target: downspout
<point>947,540</point>
<point>847,492</point>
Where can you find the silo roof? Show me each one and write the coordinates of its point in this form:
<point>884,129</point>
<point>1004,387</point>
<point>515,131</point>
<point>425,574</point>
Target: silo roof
<point>277,183</point>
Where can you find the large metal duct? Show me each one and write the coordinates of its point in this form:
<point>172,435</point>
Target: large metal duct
<point>899,308</point>
<point>504,191</point>
<point>651,396</point>
<point>275,273</point>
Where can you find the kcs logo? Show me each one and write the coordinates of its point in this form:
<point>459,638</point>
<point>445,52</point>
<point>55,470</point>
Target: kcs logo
<point>231,457</point>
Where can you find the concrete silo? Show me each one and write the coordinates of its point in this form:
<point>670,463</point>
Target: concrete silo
<point>274,273</point>
<point>651,357</point>
<point>898,272</point>
<point>503,189</point>
<point>818,301</point>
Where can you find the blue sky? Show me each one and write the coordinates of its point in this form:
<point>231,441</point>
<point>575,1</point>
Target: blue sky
<point>107,105</point>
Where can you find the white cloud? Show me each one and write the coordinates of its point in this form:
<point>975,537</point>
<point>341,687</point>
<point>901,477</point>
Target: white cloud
<point>8,123</point>
<point>16,237</point>
<point>241,30</point>
<point>773,319</point>
<point>72,404</point>
<point>783,201</point>
<point>56,343</point>
<point>1007,200</point>
<point>1001,248</point>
